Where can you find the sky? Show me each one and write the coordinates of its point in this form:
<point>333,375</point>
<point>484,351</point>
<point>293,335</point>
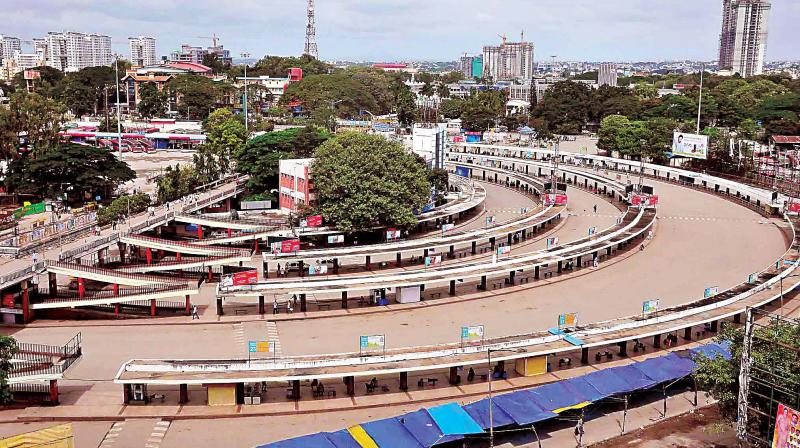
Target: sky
<point>389,30</point>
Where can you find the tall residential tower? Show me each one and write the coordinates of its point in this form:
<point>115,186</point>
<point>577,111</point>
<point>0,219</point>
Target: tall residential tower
<point>509,61</point>
<point>143,51</point>
<point>743,40</point>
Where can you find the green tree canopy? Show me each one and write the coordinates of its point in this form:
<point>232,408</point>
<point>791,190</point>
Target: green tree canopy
<point>278,66</point>
<point>225,135</point>
<point>152,101</point>
<point>33,115</point>
<point>565,107</point>
<point>481,109</point>
<point>451,108</point>
<point>176,182</point>
<point>87,170</point>
<point>8,348</point>
<point>365,181</point>
<point>195,94</point>
<point>87,90</point>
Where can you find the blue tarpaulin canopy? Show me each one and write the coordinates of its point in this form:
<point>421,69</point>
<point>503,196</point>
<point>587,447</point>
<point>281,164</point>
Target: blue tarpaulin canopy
<point>558,395</point>
<point>585,388</point>
<point>608,381</point>
<point>711,351</point>
<point>318,440</point>
<point>665,368</point>
<point>342,439</point>
<point>634,377</point>
<point>422,426</point>
<point>452,420</point>
<point>522,407</point>
<point>479,411</point>
<point>390,433</point>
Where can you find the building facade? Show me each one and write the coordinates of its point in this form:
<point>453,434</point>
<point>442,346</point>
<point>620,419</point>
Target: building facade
<point>8,46</point>
<point>71,51</point>
<point>296,189</point>
<point>508,61</point>
<point>192,54</point>
<point>607,74</point>
<point>142,51</point>
<point>743,40</point>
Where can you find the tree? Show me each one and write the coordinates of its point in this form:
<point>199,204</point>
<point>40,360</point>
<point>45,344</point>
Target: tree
<point>123,206</point>
<point>451,108</point>
<point>176,182</point>
<point>748,129</point>
<point>211,61</point>
<point>86,90</point>
<point>225,135</point>
<point>407,112</point>
<point>33,116</point>
<point>645,91</point>
<point>365,181</point>
<point>8,348</point>
<point>482,109</point>
<point>565,107</point>
<point>89,171</point>
<point>48,85</point>
<point>152,101</point>
<point>611,128</point>
<point>278,66</point>
<point>319,92</point>
<point>108,126</point>
<point>196,94</point>
<point>720,377</point>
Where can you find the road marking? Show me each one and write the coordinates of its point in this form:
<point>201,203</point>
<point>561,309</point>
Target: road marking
<point>112,434</point>
<point>160,429</point>
<point>272,335</point>
<point>238,334</point>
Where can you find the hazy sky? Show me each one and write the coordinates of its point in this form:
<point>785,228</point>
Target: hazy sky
<point>614,30</point>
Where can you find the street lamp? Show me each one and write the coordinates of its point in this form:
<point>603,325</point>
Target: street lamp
<point>246,118</point>
<point>119,109</point>
<point>489,359</point>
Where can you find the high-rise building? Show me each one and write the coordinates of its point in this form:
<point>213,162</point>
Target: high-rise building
<point>743,40</point>
<point>8,45</point>
<point>143,51</point>
<point>607,74</point>
<point>466,66</point>
<point>71,51</point>
<point>508,61</point>
<point>195,55</point>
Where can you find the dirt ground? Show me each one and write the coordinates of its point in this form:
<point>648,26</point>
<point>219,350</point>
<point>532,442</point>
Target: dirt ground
<point>702,429</point>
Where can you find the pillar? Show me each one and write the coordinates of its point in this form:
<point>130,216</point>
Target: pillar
<point>152,307</point>
<point>453,375</point>
<point>255,246</point>
<point>81,287</point>
<point>482,285</point>
<point>511,276</point>
<point>399,259</point>
<point>491,242</point>
<point>296,389</point>
<point>452,287</point>
<point>178,257</point>
<point>403,380</point>
<point>452,252</point>
<point>367,262</point>
<point>122,250</point>
<point>350,382</point>
<point>560,266</point>
<point>501,366</point>
<point>578,262</point>
<point>116,289</point>
<point>188,305</point>
<point>210,274</point>
<point>230,233</point>
<point>26,303</point>
<point>687,333</point>
<point>536,272</point>
<point>474,247</point>
<point>302,303</point>
<point>425,253</point>
<point>714,326</point>
<point>116,310</point>
<point>608,251</point>
<point>623,348</point>
<point>737,318</point>
<point>220,311</point>
<point>260,304</point>
<point>199,232</point>
<point>302,268</point>
<point>335,265</point>
<point>52,282</point>
<point>101,258</point>
<point>657,341</point>
<point>184,394</point>
<point>148,255</point>
<point>585,355</point>
<point>126,393</point>
<point>344,300</point>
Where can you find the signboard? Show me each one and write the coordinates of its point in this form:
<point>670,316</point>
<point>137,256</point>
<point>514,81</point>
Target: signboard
<point>649,306</point>
<point>490,220</point>
<point>794,207</point>
<point>568,320</point>
<point>690,145</point>
<point>289,246</point>
<point>32,74</point>
<point>463,171</point>
<point>373,342</point>
<point>555,199</point>
<point>265,346</point>
<point>240,278</point>
<point>312,221</point>
<point>252,346</point>
<point>752,278</point>
<point>335,239</point>
<point>648,201</point>
<point>502,250</point>
<point>392,234</point>
<point>552,242</point>
<point>710,292</point>
<point>472,332</point>
<point>592,230</point>
<point>446,227</point>
<point>433,261</point>
<point>787,428</point>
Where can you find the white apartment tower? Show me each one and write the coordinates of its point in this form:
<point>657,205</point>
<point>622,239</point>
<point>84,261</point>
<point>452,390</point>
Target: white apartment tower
<point>71,51</point>
<point>743,40</point>
<point>607,74</point>
<point>8,46</point>
<point>508,61</point>
<point>143,51</point>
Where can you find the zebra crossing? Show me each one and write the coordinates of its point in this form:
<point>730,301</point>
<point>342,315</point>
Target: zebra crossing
<point>272,335</point>
<point>112,435</point>
<point>157,434</point>
<point>238,335</point>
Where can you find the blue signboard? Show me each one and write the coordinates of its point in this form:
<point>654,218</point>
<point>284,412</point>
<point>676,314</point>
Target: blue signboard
<point>252,346</point>
<point>463,171</point>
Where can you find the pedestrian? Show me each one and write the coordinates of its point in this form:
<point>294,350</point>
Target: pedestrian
<point>275,306</point>
<point>595,209</point>
<point>194,313</point>
<point>641,247</point>
<point>649,234</point>
<point>289,307</point>
<point>35,257</point>
<point>279,270</point>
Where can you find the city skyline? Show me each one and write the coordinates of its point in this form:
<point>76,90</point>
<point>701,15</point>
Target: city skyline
<point>376,30</point>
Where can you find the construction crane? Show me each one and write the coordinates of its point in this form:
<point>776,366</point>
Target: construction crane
<point>213,37</point>
<point>503,36</point>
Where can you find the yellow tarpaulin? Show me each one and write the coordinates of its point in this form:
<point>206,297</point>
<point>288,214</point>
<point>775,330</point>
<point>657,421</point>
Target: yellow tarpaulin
<point>362,437</point>
<point>54,437</point>
<point>577,406</point>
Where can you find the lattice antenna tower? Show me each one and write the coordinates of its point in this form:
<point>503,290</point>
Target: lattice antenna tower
<point>311,33</point>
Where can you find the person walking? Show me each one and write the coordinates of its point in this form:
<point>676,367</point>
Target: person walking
<point>194,313</point>
<point>595,209</point>
<point>275,306</point>
<point>35,257</point>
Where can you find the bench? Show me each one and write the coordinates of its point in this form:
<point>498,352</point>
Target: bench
<point>496,285</point>
<point>322,305</point>
<point>436,295</point>
<point>239,312</point>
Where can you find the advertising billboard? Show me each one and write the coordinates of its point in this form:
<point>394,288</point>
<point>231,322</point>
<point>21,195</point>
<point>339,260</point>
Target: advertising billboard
<point>449,226</point>
<point>288,246</point>
<point>312,221</point>
<point>690,145</point>
<point>433,261</point>
<point>649,306</point>
<point>568,320</point>
<point>787,428</point>
<point>502,250</point>
<point>490,220</point>
<point>552,242</point>
<point>335,239</point>
<point>710,292</point>
<point>463,171</point>
<point>240,278</point>
<point>372,342</point>
<point>794,207</point>
<point>555,199</point>
<point>392,234</point>
<point>472,332</point>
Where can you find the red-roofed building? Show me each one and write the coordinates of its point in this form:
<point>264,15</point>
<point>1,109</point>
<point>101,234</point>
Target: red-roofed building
<point>785,140</point>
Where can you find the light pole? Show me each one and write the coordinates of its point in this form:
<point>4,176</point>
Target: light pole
<point>246,117</point>
<point>489,359</point>
<point>119,109</point>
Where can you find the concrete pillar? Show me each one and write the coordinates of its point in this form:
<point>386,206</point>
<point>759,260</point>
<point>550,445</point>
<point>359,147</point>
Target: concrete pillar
<point>187,305</point>
<point>492,242</point>
<point>296,389</point>
<point>452,252</point>
<point>81,287</point>
<point>585,355</point>
<point>399,259</point>
<point>453,375</point>
<point>368,262</point>
<point>260,304</point>
<point>335,265</point>
<point>687,333</point>
<point>116,289</point>
<point>714,325</point>
<point>152,307</point>
<point>178,257</point>
<point>301,266</point>
<point>230,233</point>
<point>608,251</point>
<point>511,276</point>
<point>122,247</point>
<point>482,285</point>
<point>509,239</point>
<point>350,382</point>
<point>560,266</point>
<point>199,232</point>
<point>344,300</point>
<point>452,287</point>
<point>657,341</point>
<point>26,303</point>
<point>578,262</point>
<point>52,282</point>
<point>303,303</point>
<point>101,258</point>
<point>536,272</point>
<point>184,394</point>
<point>403,380</point>
<point>220,311</point>
<point>501,366</point>
<point>623,348</point>
<point>425,253</point>
<point>737,318</point>
<point>116,310</point>
<point>148,255</point>
<point>126,393</point>
<point>210,274</point>
<point>474,247</point>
